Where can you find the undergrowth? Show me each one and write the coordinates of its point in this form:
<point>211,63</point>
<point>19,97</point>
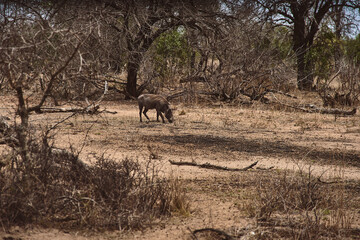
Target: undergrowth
<point>298,205</point>
<point>55,189</point>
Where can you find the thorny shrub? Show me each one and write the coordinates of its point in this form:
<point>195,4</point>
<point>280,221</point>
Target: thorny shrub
<point>57,190</point>
<point>311,209</point>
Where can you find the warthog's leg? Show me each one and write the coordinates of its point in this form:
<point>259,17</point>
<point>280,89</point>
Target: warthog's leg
<point>145,111</point>
<point>158,113</point>
<point>140,112</point>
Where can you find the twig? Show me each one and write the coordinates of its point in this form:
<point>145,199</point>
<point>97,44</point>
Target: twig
<point>210,166</point>
<point>58,123</point>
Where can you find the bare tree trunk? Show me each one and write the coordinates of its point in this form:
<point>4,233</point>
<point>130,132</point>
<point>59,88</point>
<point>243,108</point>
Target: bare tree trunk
<point>337,18</point>
<point>22,130</point>
<point>132,71</point>
<point>305,77</point>
<point>303,37</point>
<point>192,60</point>
<point>301,47</point>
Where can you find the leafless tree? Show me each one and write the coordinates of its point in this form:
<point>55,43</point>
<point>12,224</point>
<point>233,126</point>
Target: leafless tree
<point>38,48</point>
<point>238,59</point>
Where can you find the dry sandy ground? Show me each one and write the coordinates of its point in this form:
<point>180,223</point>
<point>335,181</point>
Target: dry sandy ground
<point>231,136</point>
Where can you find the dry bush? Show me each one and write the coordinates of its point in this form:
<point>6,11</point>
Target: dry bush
<point>343,89</point>
<point>298,205</point>
<point>56,190</point>
<point>179,201</point>
<point>246,65</point>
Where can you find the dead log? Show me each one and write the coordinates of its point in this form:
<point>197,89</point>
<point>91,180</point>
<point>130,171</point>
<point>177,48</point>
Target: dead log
<point>86,110</point>
<point>218,232</point>
<point>283,93</point>
<point>314,109</point>
<point>336,111</point>
<point>64,110</point>
<point>91,108</point>
<point>210,166</point>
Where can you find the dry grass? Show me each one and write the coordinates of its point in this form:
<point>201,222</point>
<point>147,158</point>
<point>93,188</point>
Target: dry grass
<point>55,190</point>
<point>286,203</point>
<point>296,205</point>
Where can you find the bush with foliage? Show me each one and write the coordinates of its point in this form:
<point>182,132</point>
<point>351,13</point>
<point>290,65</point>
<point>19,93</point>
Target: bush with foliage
<point>172,54</point>
<point>352,50</point>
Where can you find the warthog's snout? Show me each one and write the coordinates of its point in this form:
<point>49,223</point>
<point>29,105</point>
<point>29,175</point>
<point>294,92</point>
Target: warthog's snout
<point>169,115</point>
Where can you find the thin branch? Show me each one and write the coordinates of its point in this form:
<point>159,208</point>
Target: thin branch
<point>54,75</point>
<point>210,166</point>
<point>58,123</point>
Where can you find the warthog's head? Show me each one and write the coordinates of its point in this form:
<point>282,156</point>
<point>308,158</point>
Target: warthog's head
<point>169,115</point>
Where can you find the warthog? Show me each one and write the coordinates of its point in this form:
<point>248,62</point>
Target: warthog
<point>152,101</point>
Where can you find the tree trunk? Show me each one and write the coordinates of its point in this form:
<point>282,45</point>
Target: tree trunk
<point>23,128</point>
<point>192,61</point>
<point>132,71</point>
<point>337,18</point>
<point>305,77</point>
<point>302,44</point>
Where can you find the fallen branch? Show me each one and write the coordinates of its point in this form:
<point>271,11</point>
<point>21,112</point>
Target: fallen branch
<point>262,168</point>
<point>223,234</point>
<point>88,110</point>
<point>283,93</point>
<point>336,111</point>
<point>91,108</point>
<point>332,182</point>
<point>333,111</point>
<point>62,110</point>
<point>210,166</point>
<point>315,109</point>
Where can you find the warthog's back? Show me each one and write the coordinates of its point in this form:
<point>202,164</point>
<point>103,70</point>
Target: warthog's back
<point>151,100</point>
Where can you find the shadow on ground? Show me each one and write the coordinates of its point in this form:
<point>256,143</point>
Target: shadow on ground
<point>260,148</point>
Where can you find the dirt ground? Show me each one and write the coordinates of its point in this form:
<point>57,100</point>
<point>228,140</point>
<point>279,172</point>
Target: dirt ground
<point>230,136</point>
